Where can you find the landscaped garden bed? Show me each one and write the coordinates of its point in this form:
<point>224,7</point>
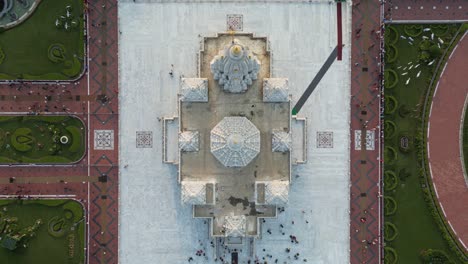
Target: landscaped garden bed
<point>49,45</point>
<point>413,52</point>
<point>41,139</point>
<point>42,231</point>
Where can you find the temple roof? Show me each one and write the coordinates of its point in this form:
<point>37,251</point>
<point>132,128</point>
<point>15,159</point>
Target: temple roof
<point>235,67</point>
<point>194,89</point>
<point>235,141</point>
<point>235,225</point>
<point>189,141</point>
<point>275,90</point>
<point>280,141</point>
<point>193,192</point>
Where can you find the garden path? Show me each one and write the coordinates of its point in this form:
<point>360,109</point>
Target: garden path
<point>444,141</point>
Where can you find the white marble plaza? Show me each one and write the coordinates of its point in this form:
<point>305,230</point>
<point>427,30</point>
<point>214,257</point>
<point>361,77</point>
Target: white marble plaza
<point>158,45</point>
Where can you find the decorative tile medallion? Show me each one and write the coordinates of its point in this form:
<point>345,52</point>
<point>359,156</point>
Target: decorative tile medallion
<point>324,139</point>
<point>104,139</point>
<point>144,139</point>
<point>234,22</point>
<point>370,139</point>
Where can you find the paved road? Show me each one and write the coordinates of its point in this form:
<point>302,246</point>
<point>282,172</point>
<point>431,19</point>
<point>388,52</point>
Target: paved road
<point>444,144</point>
<point>365,113</point>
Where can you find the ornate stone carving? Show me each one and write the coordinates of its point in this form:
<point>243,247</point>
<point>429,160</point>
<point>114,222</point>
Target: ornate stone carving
<point>276,192</point>
<point>275,90</point>
<point>193,192</point>
<point>194,90</point>
<point>189,141</point>
<point>235,141</point>
<point>280,141</point>
<point>235,225</point>
<point>235,67</point>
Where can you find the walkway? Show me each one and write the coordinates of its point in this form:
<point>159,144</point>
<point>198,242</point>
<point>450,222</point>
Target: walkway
<point>365,112</point>
<point>94,100</point>
<point>443,141</point>
<point>426,10</point>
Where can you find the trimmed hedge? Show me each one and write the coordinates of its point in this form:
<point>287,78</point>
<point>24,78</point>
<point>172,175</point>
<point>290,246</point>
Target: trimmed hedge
<point>390,180</point>
<point>73,67</point>
<point>2,55</point>
<point>391,78</point>
<point>390,155</point>
<point>439,29</point>
<point>22,140</point>
<point>390,206</point>
<point>391,53</point>
<point>413,30</point>
<point>76,136</point>
<point>391,256</point>
<point>57,227</point>
<point>390,231</point>
<point>392,35</point>
<point>391,104</point>
<point>56,53</point>
<point>390,129</point>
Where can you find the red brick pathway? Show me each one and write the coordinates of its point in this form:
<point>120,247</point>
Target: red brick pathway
<point>426,10</point>
<point>443,141</point>
<point>365,236</point>
<point>100,198</point>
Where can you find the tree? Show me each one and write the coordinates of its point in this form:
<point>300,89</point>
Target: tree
<point>435,51</point>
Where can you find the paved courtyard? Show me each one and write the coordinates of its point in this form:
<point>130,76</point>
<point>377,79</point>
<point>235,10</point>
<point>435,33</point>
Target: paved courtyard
<point>155,51</point>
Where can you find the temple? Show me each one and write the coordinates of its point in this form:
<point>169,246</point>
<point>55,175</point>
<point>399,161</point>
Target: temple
<point>234,155</point>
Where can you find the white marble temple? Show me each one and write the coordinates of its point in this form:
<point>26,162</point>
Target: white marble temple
<point>155,227</point>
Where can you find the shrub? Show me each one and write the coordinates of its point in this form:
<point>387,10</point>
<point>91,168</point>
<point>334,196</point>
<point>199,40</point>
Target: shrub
<point>56,53</point>
<point>413,30</point>
<point>2,137</point>
<point>390,231</point>
<point>390,206</point>
<point>403,111</point>
<point>391,53</point>
<point>2,55</point>
<point>391,257</point>
<point>425,44</point>
<point>76,137</point>
<point>391,78</point>
<point>73,67</point>
<point>434,256</point>
<point>390,129</point>
<point>57,227</point>
<point>390,180</point>
<point>390,155</point>
<point>22,140</point>
<point>434,51</point>
<point>439,29</point>
<point>391,104</point>
<point>403,174</point>
<point>392,35</point>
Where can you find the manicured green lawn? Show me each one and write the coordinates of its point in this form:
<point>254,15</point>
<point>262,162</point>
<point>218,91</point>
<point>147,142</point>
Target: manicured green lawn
<point>417,229</point>
<point>59,239</point>
<point>41,139</point>
<point>26,46</point>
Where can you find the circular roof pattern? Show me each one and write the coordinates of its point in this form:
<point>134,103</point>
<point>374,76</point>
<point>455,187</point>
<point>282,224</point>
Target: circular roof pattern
<point>235,141</point>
